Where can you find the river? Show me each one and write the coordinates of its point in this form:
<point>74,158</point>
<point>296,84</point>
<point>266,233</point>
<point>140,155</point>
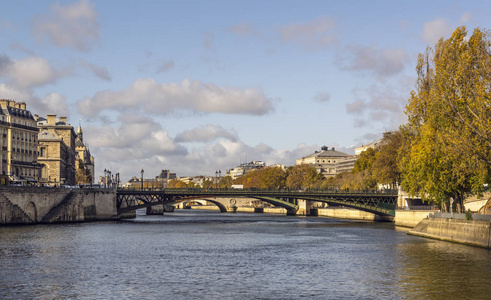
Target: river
<point>209,255</point>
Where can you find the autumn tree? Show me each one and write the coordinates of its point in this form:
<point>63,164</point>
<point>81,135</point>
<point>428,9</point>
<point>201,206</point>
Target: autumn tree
<point>265,178</point>
<point>450,119</point>
<point>225,182</point>
<point>82,174</point>
<point>385,169</point>
<point>303,177</point>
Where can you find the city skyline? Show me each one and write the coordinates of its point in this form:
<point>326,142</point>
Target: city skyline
<point>196,87</point>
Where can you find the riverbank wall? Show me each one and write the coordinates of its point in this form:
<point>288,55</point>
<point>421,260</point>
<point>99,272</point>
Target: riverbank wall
<point>410,218</point>
<point>469,232</point>
<point>32,205</point>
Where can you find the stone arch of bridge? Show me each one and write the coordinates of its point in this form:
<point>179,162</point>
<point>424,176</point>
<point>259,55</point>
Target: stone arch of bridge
<point>277,202</point>
<point>363,207</point>
<point>220,205</point>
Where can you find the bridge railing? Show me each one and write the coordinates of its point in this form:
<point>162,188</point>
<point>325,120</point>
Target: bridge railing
<point>254,190</point>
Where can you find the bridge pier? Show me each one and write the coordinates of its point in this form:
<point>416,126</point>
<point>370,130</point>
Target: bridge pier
<point>304,207</point>
<point>231,209</point>
<point>291,211</point>
<point>155,210</point>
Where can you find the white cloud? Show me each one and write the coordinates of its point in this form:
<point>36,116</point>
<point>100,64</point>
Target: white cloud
<point>382,105</point>
<point>99,72</point>
<point>313,35</point>
<point>28,72</point>
<point>135,143</point>
<point>52,103</point>
<point>9,92</point>
<point>193,96</point>
<point>205,134</point>
<point>383,62</point>
<point>434,30</point>
<point>75,25</point>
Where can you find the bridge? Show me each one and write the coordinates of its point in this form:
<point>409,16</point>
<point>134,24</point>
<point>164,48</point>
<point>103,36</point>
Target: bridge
<point>381,203</point>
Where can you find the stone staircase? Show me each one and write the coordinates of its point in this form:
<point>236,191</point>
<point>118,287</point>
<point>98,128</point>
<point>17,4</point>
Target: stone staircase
<point>61,212</point>
<point>12,214</point>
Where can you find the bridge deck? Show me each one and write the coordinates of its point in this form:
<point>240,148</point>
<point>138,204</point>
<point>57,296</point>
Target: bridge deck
<point>378,202</point>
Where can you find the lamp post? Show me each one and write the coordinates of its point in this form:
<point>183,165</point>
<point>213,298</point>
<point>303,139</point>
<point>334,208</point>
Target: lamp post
<point>216,179</point>
<point>105,178</point>
<point>219,177</point>
<point>142,178</point>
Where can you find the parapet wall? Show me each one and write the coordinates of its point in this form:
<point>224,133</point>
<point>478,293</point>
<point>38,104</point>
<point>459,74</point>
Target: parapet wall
<point>31,205</point>
<point>410,218</point>
<point>471,232</point>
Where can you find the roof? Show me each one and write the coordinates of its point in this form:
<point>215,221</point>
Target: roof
<point>326,152</point>
<point>45,135</point>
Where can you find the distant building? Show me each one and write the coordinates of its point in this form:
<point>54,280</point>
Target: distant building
<point>19,143</point>
<point>160,181</point>
<point>373,145</point>
<point>56,150</point>
<point>62,153</point>
<point>329,162</point>
<point>84,161</point>
<point>245,168</point>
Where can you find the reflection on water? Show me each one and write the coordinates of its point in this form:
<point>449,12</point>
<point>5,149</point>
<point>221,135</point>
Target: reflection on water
<point>208,255</point>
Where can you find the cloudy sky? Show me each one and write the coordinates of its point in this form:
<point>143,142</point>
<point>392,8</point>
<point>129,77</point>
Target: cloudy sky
<point>200,86</point>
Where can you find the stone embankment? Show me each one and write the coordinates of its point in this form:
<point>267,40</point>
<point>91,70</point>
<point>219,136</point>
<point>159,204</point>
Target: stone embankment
<point>470,232</point>
<point>31,205</point>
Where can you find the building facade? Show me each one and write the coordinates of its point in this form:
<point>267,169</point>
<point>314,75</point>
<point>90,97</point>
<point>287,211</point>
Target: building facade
<point>19,140</point>
<point>245,168</point>
<point>329,162</point>
<point>56,150</point>
<point>84,163</point>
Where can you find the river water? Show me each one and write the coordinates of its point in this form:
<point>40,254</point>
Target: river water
<point>210,255</point>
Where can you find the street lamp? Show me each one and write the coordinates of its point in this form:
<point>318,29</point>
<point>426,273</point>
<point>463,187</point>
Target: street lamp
<point>105,178</point>
<point>142,178</point>
<point>216,179</point>
<point>218,174</point>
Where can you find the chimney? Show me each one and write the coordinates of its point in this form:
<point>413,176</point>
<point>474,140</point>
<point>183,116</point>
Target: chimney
<point>63,119</point>
<point>22,105</point>
<point>4,103</point>
<point>36,117</point>
<point>324,148</point>
<point>52,120</point>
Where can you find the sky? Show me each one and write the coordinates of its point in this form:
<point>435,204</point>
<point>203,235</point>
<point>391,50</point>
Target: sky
<point>200,86</point>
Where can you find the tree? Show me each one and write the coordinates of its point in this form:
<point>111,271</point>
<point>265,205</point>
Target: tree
<point>171,184</point>
<point>385,168</point>
<point>449,154</point>
<point>272,178</point>
<point>82,174</point>
<point>225,182</point>
<point>303,177</point>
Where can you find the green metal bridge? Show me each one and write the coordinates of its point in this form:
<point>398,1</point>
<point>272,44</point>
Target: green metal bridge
<point>381,203</point>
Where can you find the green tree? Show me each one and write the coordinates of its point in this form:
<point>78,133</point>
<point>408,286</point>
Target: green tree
<point>449,154</point>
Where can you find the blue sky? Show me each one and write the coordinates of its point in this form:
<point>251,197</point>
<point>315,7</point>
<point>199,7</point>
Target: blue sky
<point>200,86</point>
